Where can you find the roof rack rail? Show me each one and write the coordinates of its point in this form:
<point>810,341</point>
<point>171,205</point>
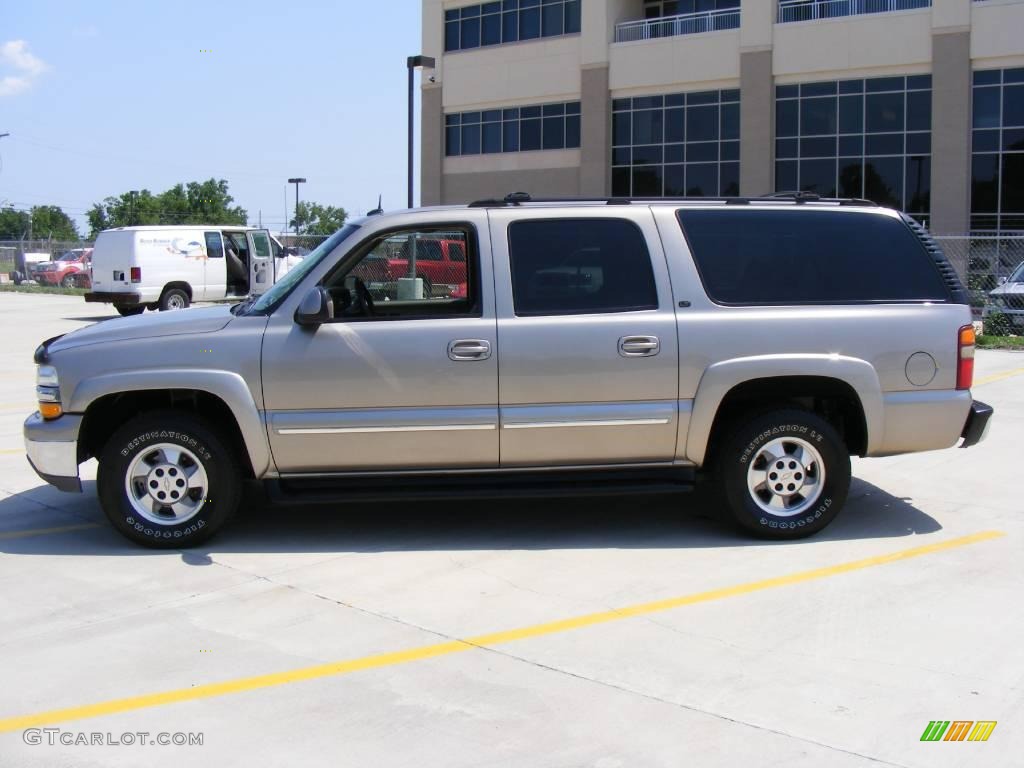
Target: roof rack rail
<point>799,198</point>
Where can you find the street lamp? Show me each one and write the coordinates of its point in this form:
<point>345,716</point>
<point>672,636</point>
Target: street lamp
<point>413,63</point>
<point>296,182</point>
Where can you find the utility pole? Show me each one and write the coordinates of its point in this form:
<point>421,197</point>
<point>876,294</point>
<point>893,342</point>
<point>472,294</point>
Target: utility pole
<point>296,182</point>
<point>131,215</point>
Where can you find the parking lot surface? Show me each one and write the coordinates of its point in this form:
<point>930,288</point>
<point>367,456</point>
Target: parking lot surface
<point>609,632</point>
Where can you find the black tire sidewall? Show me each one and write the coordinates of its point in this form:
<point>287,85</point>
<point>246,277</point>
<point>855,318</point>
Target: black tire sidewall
<point>129,311</point>
<point>164,299</point>
<point>743,447</point>
<point>140,434</point>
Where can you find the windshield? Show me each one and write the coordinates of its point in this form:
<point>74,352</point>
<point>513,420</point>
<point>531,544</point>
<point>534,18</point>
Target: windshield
<point>269,300</point>
<point>1018,274</point>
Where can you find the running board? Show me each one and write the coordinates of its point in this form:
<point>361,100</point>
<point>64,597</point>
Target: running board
<point>434,486</point>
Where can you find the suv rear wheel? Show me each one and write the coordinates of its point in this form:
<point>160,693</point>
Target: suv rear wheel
<point>165,480</point>
<point>785,474</point>
<point>127,310</point>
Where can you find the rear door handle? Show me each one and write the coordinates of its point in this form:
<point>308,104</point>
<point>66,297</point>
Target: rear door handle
<point>639,346</point>
<point>469,349</point>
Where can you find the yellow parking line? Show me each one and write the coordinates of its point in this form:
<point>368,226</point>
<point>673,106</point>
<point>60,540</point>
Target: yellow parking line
<point>8,535</point>
<point>11,451</point>
<point>456,646</point>
<point>998,377</point>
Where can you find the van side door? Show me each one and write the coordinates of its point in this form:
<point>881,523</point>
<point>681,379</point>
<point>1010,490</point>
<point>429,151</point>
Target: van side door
<point>261,265</point>
<point>213,274</point>
<point>588,360</point>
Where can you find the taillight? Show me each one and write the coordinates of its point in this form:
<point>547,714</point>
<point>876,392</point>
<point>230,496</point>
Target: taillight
<point>965,357</point>
<point>136,274</point>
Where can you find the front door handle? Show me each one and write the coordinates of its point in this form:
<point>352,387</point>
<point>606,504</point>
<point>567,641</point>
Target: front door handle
<point>469,349</point>
<point>639,346</point>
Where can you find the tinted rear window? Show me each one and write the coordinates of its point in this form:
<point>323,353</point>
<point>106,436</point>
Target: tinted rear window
<point>808,257</point>
<point>580,266</point>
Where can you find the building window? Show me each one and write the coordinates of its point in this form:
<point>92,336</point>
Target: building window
<point>509,21</point>
<point>857,138</point>
<point>997,159</point>
<point>680,144</point>
<point>518,129</point>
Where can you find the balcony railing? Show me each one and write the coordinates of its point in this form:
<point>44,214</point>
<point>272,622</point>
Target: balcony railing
<point>812,10</point>
<point>670,26</point>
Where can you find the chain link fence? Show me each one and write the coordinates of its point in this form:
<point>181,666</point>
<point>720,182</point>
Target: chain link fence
<point>990,268</point>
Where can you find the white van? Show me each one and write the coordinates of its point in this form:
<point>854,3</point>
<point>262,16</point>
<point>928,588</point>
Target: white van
<point>169,267</point>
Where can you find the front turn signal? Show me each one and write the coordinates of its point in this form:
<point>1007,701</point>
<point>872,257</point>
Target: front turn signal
<point>50,411</point>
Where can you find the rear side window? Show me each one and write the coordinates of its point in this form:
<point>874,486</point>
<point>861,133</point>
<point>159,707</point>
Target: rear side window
<point>214,245</point>
<point>580,266</point>
<point>809,257</point>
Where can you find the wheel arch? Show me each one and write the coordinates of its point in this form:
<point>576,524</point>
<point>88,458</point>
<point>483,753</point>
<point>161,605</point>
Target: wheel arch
<point>844,390</point>
<point>221,397</point>
<point>180,284</point>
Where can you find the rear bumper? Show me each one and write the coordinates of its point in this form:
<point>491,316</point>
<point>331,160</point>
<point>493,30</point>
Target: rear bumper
<point>978,422</point>
<point>52,450</point>
<point>113,298</point>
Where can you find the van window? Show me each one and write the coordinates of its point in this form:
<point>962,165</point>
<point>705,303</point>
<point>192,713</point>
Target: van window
<point>580,266</point>
<point>214,245</point>
<point>808,257</point>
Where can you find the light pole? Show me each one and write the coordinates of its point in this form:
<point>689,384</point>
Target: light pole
<point>131,215</point>
<point>413,63</point>
<point>296,182</point>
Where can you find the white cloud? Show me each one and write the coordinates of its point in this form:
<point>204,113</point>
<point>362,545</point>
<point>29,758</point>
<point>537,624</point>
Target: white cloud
<point>15,55</point>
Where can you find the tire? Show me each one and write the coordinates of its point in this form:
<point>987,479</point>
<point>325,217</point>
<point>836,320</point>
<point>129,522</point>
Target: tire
<point>785,474</point>
<point>68,281</point>
<point>127,310</point>
<point>174,298</point>
<point>180,453</point>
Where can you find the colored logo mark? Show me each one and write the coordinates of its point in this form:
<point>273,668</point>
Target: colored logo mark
<point>958,730</point>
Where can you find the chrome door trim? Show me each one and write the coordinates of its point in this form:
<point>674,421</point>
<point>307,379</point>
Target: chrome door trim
<point>594,423</point>
<point>371,430</point>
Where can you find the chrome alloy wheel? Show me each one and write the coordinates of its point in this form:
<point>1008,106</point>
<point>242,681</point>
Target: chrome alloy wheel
<point>166,484</point>
<point>175,301</point>
<point>786,477</point>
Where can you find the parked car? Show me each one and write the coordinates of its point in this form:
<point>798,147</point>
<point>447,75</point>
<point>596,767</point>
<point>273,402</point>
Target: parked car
<point>439,262</point>
<point>63,271</point>
<point>1008,298</point>
<point>169,267</point>
<point>599,348</point>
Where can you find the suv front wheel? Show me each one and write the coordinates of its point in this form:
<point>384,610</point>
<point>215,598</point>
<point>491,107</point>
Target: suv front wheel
<point>785,473</point>
<point>166,481</point>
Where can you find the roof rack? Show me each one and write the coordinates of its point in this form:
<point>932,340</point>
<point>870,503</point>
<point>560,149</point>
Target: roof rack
<point>799,198</point>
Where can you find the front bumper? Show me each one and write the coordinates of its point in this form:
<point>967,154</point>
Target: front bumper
<point>52,449</point>
<point>977,425</point>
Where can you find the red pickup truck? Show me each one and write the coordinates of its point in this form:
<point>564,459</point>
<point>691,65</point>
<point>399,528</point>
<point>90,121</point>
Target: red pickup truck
<point>438,262</point>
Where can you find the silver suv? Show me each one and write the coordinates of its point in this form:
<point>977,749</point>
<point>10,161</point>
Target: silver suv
<point>581,347</point>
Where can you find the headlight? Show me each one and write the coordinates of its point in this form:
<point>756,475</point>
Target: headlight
<point>48,392</point>
<point>46,376</point>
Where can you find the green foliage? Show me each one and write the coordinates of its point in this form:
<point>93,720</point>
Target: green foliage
<point>206,202</point>
<point>13,224</point>
<point>999,324</point>
<point>316,219</point>
<point>44,222</point>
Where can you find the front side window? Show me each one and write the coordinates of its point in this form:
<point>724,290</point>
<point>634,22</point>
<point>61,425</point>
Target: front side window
<point>403,275</point>
<point>580,266</point>
<point>809,257</point>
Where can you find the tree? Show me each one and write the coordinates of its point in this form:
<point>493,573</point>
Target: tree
<point>13,224</point>
<point>51,223</point>
<point>45,222</point>
<point>315,219</point>
<point>206,202</point>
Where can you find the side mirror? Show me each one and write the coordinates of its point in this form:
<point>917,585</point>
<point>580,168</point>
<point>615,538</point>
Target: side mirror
<point>316,308</point>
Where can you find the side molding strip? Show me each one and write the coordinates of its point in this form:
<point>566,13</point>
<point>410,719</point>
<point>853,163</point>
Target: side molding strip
<point>371,430</point>
<point>601,423</point>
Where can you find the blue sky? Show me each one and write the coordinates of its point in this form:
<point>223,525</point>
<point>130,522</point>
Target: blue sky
<point>107,96</point>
